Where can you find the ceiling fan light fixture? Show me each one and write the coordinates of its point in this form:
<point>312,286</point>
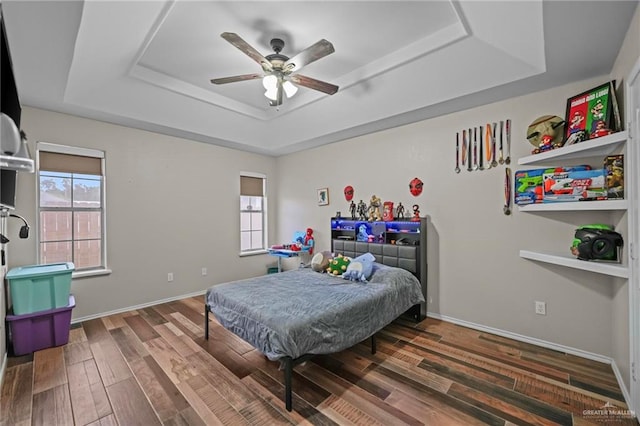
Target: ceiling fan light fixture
<point>270,82</point>
<point>290,89</point>
<point>277,77</point>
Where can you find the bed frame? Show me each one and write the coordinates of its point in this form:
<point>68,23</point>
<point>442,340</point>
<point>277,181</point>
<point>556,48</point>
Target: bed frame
<point>405,257</point>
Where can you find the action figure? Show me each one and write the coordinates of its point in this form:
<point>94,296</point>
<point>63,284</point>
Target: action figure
<point>309,240</point>
<point>352,209</point>
<point>400,211</point>
<point>374,209</point>
<point>362,210</point>
<point>416,213</point>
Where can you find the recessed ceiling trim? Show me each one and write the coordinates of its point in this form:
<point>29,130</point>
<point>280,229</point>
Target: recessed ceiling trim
<point>401,57</point>
<point>181,87</point>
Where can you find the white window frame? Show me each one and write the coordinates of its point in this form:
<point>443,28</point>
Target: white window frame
<point>265,220</point>
<point>85,152</point>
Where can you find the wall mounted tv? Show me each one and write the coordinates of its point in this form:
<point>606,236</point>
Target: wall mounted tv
<point>8,189</point>
<point>10,101</point>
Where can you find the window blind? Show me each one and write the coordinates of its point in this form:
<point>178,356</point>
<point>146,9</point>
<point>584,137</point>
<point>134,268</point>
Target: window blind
<point>251,186</point>
<point>57,162</point>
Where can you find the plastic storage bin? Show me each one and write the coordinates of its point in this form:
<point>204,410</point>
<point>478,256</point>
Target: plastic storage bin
<point>40,287</point>
<point>40,330</point>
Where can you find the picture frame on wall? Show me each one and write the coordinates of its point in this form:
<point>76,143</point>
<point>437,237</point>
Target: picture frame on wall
<point>323,196</point>
<point>592,114</point>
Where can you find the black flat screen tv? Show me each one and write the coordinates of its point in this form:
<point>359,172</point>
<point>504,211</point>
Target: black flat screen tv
<point>8,180</point>
<point>10,104</point>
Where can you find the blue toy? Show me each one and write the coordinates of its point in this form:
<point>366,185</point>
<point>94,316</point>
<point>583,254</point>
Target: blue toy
<point>360,268</point>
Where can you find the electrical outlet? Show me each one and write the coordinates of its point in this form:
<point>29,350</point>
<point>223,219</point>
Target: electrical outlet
<point>170,276</point>
<point>204,272</point>
<point>541,308</point>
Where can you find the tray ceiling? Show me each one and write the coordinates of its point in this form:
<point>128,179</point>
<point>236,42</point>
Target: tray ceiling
<point>148,64</point>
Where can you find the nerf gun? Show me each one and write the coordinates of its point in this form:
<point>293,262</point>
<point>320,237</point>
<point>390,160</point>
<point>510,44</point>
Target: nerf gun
<point>528,183</point>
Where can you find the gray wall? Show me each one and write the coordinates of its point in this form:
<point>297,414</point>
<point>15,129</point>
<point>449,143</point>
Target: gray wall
<point>475,272</point>
<point>172,206</point>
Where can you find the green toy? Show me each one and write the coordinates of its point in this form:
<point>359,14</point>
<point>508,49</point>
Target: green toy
<point>338,265</point>
<point>596,242</point>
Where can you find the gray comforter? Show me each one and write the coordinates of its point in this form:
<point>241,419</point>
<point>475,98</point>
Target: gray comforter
<point>305,312</point>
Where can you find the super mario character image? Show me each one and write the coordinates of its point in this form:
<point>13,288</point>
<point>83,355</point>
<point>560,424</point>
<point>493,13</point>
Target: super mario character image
<point>576,122</point>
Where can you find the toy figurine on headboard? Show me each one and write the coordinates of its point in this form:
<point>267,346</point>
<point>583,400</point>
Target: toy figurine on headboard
<point>362,210</point>
<point>374,209</point>
<point>416,213</point>
<point>352,210</point>
<point>400,211</point>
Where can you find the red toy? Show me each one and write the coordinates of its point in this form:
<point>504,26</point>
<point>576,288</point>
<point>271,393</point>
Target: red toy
<point>348,192</point>
<point>308,240</point>
<point>415,187</point>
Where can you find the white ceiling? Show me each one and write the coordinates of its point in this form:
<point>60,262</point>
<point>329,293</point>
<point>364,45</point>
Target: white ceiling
<point>148,64</point>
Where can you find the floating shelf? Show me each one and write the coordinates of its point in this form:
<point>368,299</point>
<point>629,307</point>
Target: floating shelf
<point>600,147</point>
<point>576,206</point>
<point>611,269</point>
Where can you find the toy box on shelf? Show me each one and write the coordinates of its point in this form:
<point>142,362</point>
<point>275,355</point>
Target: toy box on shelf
<point>614,165</point>
<point>528,183</point>
<point>582,185</point>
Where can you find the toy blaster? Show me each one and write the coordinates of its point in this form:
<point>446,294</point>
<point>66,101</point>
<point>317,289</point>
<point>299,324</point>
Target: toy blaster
<point>526,182</point>
<point>529,183</point>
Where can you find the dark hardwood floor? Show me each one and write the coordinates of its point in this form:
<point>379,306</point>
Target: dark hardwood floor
<point>152,366</point>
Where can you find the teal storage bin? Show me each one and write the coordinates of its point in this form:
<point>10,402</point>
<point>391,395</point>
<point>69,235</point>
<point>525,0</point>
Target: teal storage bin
<point>40,287</point>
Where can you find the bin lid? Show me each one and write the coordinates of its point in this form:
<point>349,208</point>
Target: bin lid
<point>47,312</point>
<point>36,270</point>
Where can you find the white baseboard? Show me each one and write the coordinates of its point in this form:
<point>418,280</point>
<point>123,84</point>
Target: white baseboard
<point>133,308</point>
<point>543,343</point>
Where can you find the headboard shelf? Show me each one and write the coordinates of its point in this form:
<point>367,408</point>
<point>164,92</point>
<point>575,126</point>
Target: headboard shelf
<point>402,244</point>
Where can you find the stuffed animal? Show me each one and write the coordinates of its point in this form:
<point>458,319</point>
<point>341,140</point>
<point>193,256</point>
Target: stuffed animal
<point>360,268</point>
<point>338,265</point>
<point>320,261</point>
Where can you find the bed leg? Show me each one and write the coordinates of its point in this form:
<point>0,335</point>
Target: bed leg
<point>373,344</point>
<point>206,322</point>
<point>288,372</point>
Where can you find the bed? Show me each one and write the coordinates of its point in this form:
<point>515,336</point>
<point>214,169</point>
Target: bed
<point>294,315</point>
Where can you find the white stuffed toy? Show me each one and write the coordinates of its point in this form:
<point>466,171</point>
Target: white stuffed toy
<point>360,268</point>
<point>320,261</point>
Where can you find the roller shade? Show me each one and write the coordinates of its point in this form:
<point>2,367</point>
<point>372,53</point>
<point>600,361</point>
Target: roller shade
<point>56,162</point>
<point>251,186</point>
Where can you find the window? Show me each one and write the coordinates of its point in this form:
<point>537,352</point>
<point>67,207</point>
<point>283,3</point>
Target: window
<point>71,206</point>
<point>253,213</point>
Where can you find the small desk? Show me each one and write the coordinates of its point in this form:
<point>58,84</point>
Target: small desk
<point>280,253</point>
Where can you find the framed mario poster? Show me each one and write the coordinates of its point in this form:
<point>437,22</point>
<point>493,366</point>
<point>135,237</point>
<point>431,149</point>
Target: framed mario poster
<point>591,114</point>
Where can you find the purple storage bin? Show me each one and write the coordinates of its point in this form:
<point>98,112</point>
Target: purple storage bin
<point>40,330</point>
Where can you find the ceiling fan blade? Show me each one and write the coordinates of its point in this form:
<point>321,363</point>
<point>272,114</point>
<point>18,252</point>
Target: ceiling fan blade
<point>235,78</point>
<point>314,84</point>
<point>308,55</point>
<point>247,49</point>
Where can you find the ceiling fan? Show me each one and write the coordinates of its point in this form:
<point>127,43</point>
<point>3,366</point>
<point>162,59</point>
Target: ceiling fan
<point>278,69</point>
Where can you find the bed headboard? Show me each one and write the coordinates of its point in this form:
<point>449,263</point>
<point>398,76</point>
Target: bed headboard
<point>405,257</point>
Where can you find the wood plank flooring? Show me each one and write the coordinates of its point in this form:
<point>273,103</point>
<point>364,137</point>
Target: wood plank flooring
<point>152,366</point>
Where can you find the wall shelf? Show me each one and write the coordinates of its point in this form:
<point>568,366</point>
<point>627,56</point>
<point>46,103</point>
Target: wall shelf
<point>611,269</point>
<point>600,147</point>
<point>606,205</point>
